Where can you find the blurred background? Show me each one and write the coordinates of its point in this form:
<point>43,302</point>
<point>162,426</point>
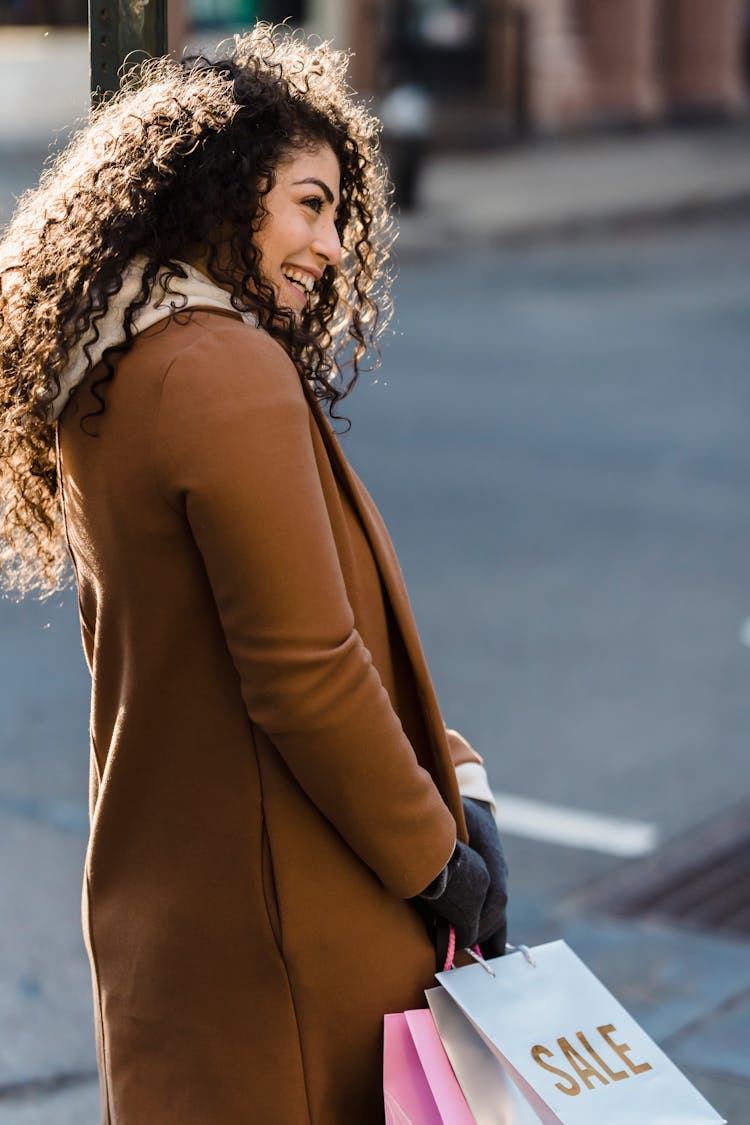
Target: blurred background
<point>498,69</point>
<point>558,439</point>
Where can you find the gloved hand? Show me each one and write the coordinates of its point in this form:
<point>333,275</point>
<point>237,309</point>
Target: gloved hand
<point>458,894</point>
<point>484,838</point>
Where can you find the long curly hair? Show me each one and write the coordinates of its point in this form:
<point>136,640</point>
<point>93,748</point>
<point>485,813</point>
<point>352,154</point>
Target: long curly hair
<point>172,166</point>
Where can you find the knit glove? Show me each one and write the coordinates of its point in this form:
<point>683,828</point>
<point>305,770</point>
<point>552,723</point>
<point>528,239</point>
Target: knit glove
<point>484,839</point>
<point>458,894</point>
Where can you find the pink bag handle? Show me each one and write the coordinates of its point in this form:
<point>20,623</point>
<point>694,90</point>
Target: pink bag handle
<point>452,950</point>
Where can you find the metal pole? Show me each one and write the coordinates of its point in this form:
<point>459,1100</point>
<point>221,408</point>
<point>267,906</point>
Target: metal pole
<point>122,28</point>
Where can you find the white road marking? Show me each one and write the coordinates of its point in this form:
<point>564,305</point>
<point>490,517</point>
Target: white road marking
<point>538,820</point>
<point>745,632</point>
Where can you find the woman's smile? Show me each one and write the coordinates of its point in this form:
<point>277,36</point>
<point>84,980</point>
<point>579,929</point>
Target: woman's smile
<point>302,281</point>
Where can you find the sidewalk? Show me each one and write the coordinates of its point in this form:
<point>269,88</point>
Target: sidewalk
<point>44,84</point>
<point>577,185</point>
<point>547,188</point>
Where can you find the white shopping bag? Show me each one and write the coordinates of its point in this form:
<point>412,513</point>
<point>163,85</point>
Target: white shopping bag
<point>491,1095</point>
<point>573,1053</point>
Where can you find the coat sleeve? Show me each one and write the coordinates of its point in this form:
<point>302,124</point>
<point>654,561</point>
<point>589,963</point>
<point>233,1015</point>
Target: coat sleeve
<point>234,452</point>
<point>462,752</point>
<point>470,772</point>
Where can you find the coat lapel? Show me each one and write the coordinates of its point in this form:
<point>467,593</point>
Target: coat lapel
<point>393,584</point>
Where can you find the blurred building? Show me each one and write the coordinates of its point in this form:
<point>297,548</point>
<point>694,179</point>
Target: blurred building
<point>52,13</point>
<point>498,69</point>
<point>651,59</point>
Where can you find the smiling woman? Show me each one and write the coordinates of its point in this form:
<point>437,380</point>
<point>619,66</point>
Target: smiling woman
<point>299,238</point>
<point>274,797</point>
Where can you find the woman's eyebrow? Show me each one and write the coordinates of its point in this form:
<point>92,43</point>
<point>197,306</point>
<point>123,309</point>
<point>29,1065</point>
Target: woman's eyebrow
<point>318,183</point>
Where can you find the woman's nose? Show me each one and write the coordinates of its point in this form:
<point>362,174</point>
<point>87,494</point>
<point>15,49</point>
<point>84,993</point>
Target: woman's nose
<point>327,244</point>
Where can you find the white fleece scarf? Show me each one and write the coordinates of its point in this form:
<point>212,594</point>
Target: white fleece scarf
<point>175,295</point>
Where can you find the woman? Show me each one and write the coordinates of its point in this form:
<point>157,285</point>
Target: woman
<point>274,797</point>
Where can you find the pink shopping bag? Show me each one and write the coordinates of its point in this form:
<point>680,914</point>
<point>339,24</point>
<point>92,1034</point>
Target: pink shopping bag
<point>406,1091</point>
<point>419,1086</point>
<point>436,1065</point>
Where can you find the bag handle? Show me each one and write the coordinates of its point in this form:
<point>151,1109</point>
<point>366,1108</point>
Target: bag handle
<point>451,952</point>
<point>475,951</point>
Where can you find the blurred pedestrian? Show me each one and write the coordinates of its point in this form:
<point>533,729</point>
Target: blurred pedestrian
<point>406,114</point>
<point>278,835</point>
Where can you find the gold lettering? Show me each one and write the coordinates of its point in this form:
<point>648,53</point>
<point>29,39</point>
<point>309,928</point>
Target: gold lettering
<point>579,1064</point>
<point>615,1075</point>
<point>621,1049</point>
<point>572,1088</point>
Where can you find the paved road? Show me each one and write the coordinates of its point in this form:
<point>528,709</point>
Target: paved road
<point>561,453</point>
<point>558,441</point>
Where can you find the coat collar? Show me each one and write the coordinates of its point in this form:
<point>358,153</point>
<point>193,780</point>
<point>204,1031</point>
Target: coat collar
<point>393,584</point>
<point>170,292</point>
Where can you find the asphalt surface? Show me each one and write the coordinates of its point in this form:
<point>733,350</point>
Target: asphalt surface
<point>558,441</point>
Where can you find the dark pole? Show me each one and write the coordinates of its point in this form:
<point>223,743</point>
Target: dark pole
<point>119,28</point>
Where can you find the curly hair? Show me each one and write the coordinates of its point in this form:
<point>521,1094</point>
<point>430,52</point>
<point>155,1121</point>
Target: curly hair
<point>172,166</point>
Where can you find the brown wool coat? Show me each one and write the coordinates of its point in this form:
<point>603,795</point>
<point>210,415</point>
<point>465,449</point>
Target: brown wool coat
<point>270,774</point>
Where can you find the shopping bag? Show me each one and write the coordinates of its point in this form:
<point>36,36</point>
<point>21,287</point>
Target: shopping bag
<point>406,1091</point>
<point>491,1094</point>
<point>419,1086</point>
<point>437,1069</point>
<point>571,1051</point>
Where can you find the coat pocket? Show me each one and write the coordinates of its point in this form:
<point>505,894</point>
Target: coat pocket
<point>269,886</point>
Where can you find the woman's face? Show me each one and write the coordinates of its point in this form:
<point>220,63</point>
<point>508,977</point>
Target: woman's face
<point>298,236</point>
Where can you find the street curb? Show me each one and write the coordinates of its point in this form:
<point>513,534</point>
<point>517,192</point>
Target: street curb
<point>414,244</point>
<point>25,1090</point>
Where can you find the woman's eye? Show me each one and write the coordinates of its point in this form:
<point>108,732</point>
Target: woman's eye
<point>314,202</point>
